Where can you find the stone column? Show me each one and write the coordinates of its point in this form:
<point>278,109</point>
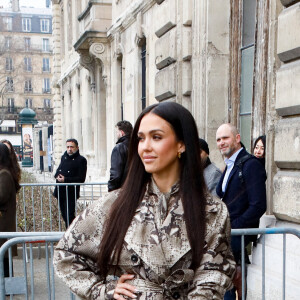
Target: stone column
<point>100,52</point>
<point>56,100</point>
<point>86,112</point>
<point>68,109</point>
<point>88,95</point>
<point>287,132</point>
<point>76,108</point>
<point>210,61</point>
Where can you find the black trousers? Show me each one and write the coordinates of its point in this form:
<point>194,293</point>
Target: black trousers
<point>67,209</point>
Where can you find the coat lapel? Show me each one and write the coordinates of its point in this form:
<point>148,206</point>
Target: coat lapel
<point>234,169</point>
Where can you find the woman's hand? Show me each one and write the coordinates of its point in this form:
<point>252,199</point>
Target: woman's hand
<point>125,289</point>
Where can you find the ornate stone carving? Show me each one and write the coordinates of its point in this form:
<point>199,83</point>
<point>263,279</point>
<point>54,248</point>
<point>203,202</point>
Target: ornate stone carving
<point>87,62</point>
<point>97,49</point>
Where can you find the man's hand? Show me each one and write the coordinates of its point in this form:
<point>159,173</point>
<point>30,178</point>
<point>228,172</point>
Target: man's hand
<point>60,178</point>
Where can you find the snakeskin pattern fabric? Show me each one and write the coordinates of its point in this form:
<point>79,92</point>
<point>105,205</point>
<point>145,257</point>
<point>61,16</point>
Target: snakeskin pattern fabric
<point>156,250</point>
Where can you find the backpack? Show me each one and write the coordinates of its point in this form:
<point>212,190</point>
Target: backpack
<point>240,164</point>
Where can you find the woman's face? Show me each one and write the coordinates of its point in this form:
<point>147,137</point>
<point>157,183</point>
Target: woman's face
<point>158,147</point>
<point>259,150</point>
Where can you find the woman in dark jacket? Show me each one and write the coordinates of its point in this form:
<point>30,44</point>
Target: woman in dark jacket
<point>9,185</point>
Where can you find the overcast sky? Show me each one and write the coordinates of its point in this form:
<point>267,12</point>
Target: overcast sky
<point>34,3</point>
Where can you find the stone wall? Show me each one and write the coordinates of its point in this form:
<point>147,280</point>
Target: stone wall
<point>287,137</point>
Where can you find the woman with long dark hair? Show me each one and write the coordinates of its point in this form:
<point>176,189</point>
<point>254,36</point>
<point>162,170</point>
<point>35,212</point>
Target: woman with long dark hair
<point>14,160</point>
<point>161,236</point>
<point>9,185</point>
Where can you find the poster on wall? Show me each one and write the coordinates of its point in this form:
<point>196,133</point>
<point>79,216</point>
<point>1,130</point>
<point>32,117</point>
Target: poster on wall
<point>27,141</point>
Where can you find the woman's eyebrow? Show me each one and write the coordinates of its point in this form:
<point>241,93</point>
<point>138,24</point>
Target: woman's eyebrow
<point>151,131</point>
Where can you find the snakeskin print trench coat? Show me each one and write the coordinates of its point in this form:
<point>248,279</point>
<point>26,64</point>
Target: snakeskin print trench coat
<point>156,250</point>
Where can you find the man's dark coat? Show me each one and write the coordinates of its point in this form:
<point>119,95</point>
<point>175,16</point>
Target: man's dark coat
<point>246,198</point>
<point>73,168</point>
<point>118,170</point>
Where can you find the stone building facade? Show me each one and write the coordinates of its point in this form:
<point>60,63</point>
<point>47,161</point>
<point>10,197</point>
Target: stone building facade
<point>226,61</point>
<point>25,65</point>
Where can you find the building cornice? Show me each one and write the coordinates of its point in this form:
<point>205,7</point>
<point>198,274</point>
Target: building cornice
<point>128,17</point>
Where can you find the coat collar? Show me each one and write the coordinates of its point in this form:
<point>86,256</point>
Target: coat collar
<point>122,139</point>
<point>73,155</point>
<point>159,232</point>
<point>156,233</point>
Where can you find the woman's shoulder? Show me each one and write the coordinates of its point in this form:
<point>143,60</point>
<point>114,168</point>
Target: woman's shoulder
<point>91,221</point>
<point>102,205</point>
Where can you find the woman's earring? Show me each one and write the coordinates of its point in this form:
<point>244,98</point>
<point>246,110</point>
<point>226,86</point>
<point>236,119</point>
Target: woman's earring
<point>179,155</point>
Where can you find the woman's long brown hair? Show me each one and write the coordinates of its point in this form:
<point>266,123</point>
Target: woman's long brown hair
<point>192,188</point>
<point>7,163</point>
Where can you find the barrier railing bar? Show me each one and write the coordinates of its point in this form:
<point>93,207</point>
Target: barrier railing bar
<point>263,289</point>
<point>59,213</point>
<point>47,271</point>
<point>25,270</point>
<point>255,231</point>
<point>41,197</point>
<point>31,272</point>
<point>10,266</point>
<point>243,267</point>
<point>52,269</point>
<point>33,213</point>
<point>50,205</point>
<point>24,209</point>
<point>67,202</point>
<point>284,266</point>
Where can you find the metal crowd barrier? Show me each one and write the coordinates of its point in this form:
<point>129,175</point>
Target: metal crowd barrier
<point>263,232</point>
<point>20,285</point>
<point>39,210</point>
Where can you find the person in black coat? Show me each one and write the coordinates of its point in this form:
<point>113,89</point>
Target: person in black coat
<point>72,168</point>
<point>118,170</point>
<point>241,186</point>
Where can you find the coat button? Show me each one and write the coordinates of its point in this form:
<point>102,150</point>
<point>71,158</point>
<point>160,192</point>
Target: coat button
<point>134,258</point>
<point>176,295</point>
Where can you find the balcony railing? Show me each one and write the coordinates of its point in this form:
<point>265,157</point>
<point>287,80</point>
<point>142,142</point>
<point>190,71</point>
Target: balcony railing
<point>46,91</point>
